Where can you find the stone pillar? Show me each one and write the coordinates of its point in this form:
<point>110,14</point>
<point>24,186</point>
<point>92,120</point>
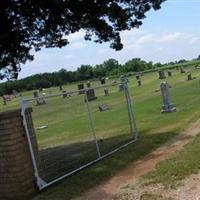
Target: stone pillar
<point>167,106</point>
<point>17,179</point>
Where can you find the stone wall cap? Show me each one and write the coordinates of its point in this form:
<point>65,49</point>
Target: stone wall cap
<point>12,113</point>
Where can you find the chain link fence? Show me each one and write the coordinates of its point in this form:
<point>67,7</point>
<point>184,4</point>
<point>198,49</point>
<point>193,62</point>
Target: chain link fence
<point>75,129</point>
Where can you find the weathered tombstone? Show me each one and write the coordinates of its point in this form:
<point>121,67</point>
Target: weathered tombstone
<point>139,82</point>
<point>81,87</point>
<point>189,77</point>
<point>121,87</point>
<point>91,94</point>
<point>167,106</point>
<point>4,100</point>
<point>103,107</point>
<point>40,101</point>
<point>88,84</point>
<point>182,70</point>
<point>169,73</point>
<point>161,74</point>
<point>102,81</point>
<point>60,88</point>
<point>137,76</point>
<point>35,94</point>
<point>64,94</point>
<point>106,92</point>
<point>124,78</point>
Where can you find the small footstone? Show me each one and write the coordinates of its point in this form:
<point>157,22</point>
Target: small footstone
<point>103,107</point>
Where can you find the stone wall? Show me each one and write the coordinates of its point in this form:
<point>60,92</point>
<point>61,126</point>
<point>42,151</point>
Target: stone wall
<point>16,171</point>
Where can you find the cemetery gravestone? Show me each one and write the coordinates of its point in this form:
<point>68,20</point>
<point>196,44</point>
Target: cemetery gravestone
<point>121,87</point>
<point>139,82</point>
<point>161,74</point>
<point>106,92</point>
<point>4,101</point>
<point>88,84</point>
<point>64,94</point>
<point>182,70</point>
<point>40,101</point>
<point>91,95</point>
<point>60,88</point>
<point>167,106</point>
<point>81,87</point>
<point>35,94</point>
<point>169,73</point>
<point>189,77</point>
<point>137,76</point>
<point>102,81</point>
<point>103,107</point>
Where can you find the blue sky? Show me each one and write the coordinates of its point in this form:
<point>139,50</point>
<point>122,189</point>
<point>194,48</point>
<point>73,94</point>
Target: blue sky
<point>169,34</point>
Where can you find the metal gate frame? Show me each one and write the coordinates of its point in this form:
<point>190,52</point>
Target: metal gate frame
<point>41,184</point>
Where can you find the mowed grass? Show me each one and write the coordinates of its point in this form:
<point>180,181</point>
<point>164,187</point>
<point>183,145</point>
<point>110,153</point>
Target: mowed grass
<point>171,171</point>
<point>69,133</point>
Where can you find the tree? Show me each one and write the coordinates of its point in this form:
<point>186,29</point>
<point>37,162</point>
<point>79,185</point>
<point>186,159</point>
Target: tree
<point>32,24</point>
<point>135,64</point>
<point>84,72</point>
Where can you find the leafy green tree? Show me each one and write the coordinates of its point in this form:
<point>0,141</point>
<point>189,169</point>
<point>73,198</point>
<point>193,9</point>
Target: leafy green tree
<point>84,72</point>
<point>34,24</point>
<point>110,65</point>
<point>136,64</point>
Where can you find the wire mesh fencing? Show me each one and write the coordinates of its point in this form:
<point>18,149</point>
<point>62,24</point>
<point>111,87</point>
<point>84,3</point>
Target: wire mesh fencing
<point>77,128</point>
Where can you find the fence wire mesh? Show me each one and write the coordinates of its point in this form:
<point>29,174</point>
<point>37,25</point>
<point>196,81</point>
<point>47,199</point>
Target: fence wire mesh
<point>76,128</point>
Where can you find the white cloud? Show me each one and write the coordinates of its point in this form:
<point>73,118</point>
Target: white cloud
<point>77,45</point>
<point>76,36</point>
<point>153,46</point>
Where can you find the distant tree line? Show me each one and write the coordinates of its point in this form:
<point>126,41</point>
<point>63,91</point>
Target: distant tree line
<point>109,67</point>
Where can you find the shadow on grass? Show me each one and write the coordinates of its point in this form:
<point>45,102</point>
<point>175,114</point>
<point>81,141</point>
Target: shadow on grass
<point>59,160</point>
<point>102,171</point>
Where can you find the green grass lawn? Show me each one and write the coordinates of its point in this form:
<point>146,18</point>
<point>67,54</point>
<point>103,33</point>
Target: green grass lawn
<point>171,171</point>
<point>68,138</point>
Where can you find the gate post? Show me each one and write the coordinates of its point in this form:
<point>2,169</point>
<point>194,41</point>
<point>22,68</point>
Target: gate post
<point>17,180</point>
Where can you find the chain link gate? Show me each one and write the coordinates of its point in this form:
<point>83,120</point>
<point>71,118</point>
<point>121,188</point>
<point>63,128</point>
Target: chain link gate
<point>78,128</point>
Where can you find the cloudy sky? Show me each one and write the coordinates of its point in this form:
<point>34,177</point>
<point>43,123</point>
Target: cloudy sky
<point>170,34</point>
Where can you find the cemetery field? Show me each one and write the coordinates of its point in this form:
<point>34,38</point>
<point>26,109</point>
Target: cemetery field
<point>68,132</point>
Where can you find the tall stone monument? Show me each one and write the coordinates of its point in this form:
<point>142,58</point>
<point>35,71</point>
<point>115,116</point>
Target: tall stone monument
<point>167,105</point>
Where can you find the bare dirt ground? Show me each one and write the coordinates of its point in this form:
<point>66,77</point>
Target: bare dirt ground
<point>189,190</point>
<point>115,188</point>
